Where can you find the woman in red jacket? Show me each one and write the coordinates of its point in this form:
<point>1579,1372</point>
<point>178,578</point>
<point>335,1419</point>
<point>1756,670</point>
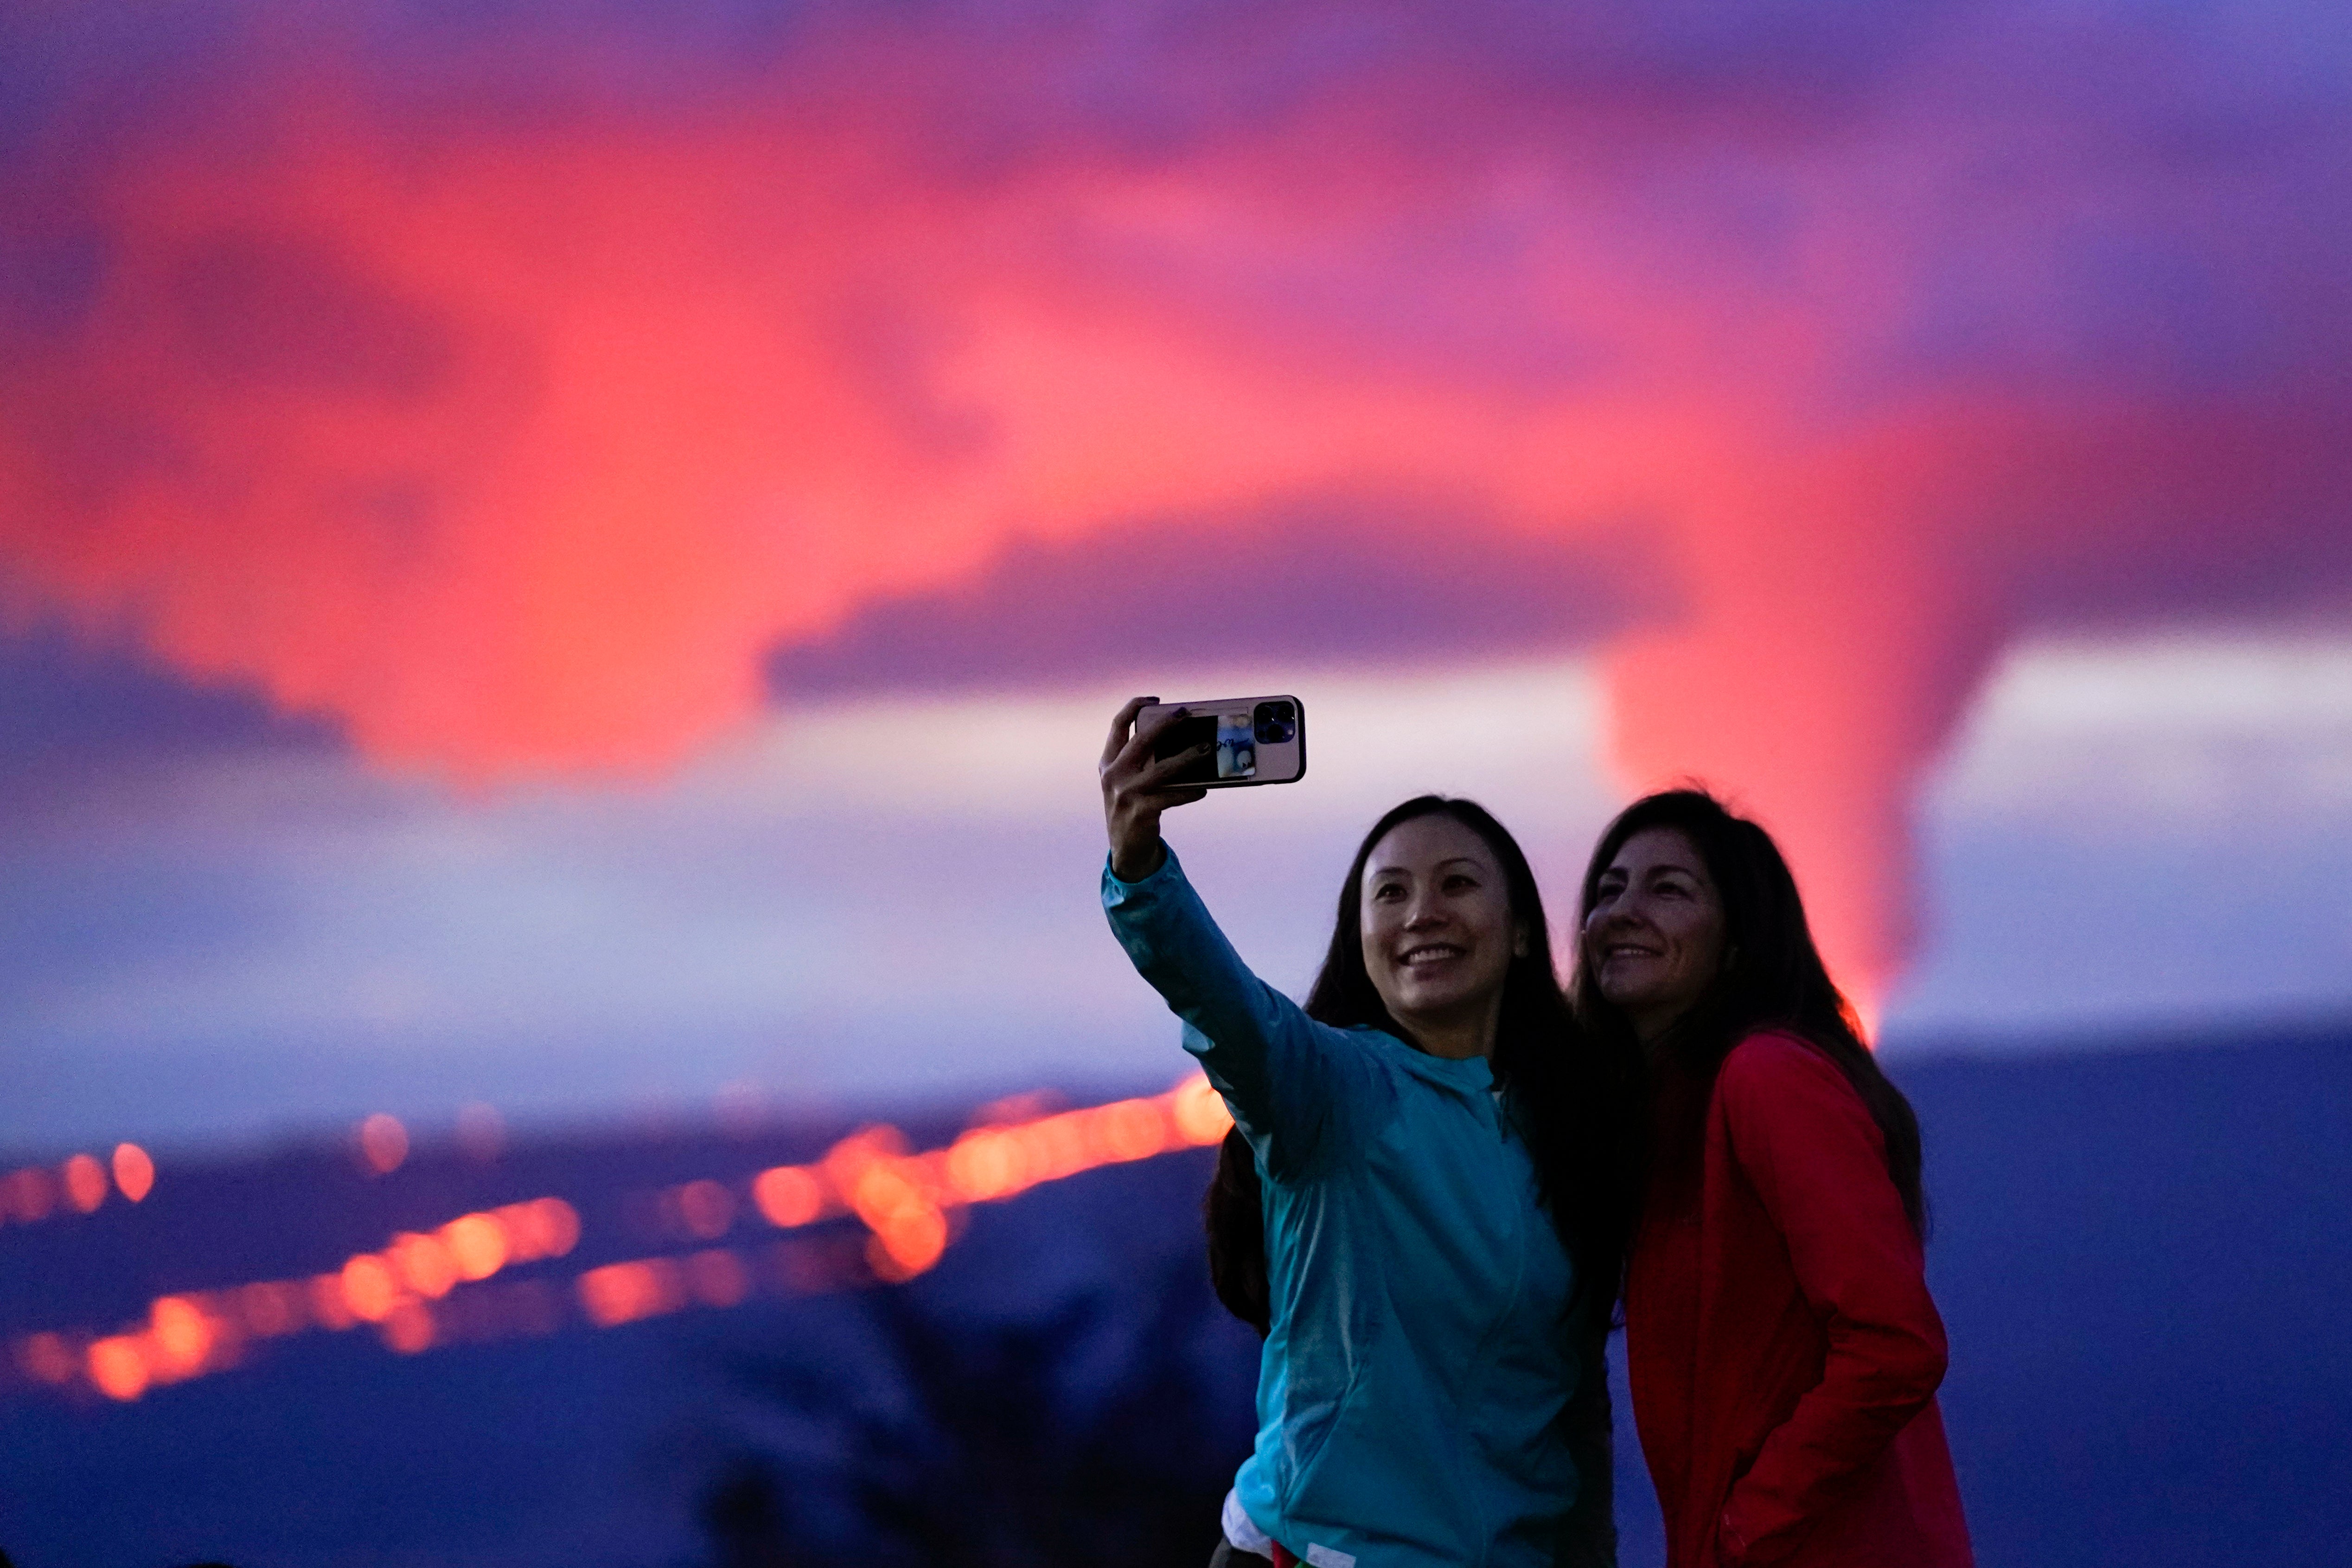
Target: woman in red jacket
<point>1782,1349</point>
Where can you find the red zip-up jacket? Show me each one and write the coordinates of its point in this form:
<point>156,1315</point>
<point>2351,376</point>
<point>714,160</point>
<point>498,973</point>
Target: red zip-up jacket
<point>1780,1343</point>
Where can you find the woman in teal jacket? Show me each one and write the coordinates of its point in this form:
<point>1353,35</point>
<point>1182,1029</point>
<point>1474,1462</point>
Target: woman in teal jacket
<point>1443,1215</point>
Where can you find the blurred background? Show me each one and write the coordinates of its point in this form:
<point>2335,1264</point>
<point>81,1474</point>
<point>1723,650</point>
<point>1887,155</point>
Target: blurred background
<point>563,568</point>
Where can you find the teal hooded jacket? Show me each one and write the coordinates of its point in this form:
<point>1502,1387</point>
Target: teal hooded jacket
<point>1414,1389</point>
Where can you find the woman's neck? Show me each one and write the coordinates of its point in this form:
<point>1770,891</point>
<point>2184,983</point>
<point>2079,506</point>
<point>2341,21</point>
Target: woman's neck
<point>1653,1029</point>
<point>1457,1037</point>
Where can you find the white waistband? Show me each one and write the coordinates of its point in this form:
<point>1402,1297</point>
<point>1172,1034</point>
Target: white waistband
<point>1244,1535</point>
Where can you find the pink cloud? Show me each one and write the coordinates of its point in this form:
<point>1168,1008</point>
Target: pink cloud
<point>509,393</point>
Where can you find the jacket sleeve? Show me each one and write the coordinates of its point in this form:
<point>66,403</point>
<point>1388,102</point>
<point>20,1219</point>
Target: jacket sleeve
<point>1589,1537</point>
<point>1814,1156</point>
<point>1298,1090</point>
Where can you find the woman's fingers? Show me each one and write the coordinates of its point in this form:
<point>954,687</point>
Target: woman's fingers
<point>1154,775</point>
<point>1148,731</point>
<point>1119,726</point>
<point>1136,753</point>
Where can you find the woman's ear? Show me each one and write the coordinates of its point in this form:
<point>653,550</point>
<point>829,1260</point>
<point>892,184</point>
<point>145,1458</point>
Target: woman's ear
<point>1518,939</point>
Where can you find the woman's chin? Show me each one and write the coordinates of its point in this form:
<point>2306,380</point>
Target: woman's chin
<point>1627,999</point>
<point>1438,1005</point>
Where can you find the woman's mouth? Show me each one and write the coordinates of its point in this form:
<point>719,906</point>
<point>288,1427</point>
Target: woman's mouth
<point>1429,953</point>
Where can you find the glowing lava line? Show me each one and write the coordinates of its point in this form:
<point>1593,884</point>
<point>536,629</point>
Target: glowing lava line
<point>427,1288</point>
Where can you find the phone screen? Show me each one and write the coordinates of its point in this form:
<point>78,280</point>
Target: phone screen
<point>1253,739</point>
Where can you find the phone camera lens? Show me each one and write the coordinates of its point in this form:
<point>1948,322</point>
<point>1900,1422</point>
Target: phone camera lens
<point>1275,723</point>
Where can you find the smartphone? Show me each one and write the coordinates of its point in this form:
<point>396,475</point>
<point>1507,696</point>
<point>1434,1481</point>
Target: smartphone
<point>1258,741</point>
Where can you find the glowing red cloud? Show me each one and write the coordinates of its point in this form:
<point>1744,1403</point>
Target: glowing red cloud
<point>513,438</point>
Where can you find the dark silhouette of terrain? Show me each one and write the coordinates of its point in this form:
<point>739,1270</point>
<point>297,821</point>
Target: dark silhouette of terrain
<point>995,1461</point>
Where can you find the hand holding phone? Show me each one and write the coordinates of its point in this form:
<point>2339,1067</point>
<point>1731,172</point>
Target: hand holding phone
<point>1160,756</point>
<point>1249,740</point>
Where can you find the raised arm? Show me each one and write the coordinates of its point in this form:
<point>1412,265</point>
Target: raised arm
<point>1809,1147</point>
<point>1289,1081</point>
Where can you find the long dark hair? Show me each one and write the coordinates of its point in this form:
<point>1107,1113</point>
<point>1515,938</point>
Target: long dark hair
<point>1772,977</point>
<point>1573,1106</point>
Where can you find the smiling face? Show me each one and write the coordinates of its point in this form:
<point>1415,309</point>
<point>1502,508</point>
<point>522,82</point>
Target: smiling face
<point>1438,933</point>
<point>1655,939</point>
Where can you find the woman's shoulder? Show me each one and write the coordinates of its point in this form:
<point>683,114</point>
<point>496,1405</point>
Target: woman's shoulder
<point>1771,1062</point>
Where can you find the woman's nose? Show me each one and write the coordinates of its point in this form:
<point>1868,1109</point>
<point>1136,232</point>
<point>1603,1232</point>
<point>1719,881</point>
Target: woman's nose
<point>1619,919</point>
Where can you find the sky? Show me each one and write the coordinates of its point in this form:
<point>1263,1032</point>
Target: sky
<point>573,556</point>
